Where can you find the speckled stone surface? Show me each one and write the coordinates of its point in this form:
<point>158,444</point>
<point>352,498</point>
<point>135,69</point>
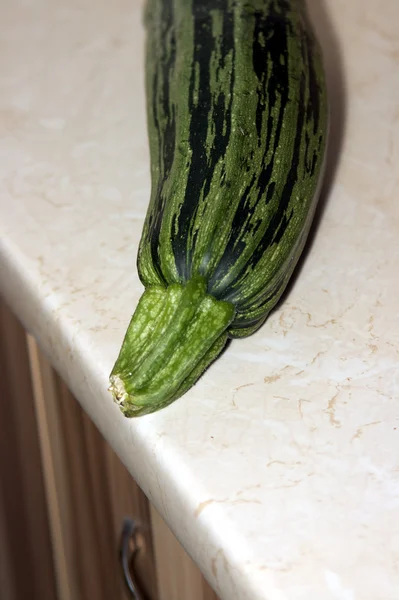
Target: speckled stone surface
<point>279,471</point>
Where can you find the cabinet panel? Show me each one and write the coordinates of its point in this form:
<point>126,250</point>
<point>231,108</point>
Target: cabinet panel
<point>26,563</point>
<point>178,576</point>
<point>90,493</point>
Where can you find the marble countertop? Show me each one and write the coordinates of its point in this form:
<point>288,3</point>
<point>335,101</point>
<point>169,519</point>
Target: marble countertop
<point>279,470</point>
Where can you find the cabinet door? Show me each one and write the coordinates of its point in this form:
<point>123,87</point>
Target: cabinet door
<point>89,494</point>
<point>178,576</point>
<point>26,562</point>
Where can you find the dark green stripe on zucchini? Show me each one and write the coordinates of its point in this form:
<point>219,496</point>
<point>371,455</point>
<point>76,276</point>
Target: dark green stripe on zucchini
<point>237,120</point>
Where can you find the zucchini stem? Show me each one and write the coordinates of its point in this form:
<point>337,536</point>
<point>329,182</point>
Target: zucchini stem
<point>173,336</point>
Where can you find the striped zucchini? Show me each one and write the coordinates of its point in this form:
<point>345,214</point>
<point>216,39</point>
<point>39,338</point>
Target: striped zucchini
<point>237,121</point>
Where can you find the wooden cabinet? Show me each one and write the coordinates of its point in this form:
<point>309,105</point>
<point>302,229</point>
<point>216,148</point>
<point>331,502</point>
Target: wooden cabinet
<point>65,494</point>
<point>26,566</point>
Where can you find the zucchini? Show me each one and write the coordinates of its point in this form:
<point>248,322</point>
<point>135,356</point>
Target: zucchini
<point>238,121</point>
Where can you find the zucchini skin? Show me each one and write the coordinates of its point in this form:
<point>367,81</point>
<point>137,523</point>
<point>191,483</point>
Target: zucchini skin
<point>238,121</point>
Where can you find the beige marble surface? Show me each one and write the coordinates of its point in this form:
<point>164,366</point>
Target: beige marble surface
<point>279,471</point>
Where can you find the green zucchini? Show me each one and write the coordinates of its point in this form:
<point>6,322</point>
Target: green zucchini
<point>238,121</point>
